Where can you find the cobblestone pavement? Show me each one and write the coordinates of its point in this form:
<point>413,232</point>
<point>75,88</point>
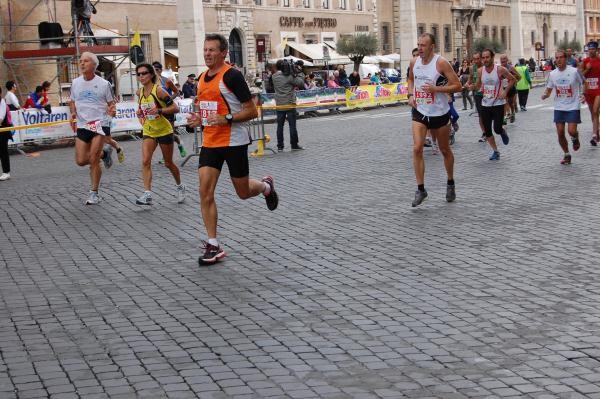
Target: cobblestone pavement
<point>345,291</point>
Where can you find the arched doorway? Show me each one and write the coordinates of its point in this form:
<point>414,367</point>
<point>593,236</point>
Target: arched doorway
<point>469,43</point>
<point>235,48</point>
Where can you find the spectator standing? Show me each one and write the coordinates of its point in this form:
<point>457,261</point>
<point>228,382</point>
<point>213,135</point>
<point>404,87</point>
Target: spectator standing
<point>189,87</point>
<point>354,78</point>
<point>285,85</point>
<point>11,99</point>
<point>4,138</point>
<point>464,74</point>
<point>523,84</point>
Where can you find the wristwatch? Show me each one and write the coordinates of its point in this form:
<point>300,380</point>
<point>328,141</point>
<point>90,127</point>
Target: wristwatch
<point>229,118</point>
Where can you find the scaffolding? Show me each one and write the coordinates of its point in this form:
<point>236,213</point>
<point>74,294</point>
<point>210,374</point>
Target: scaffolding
<point>64,50</point>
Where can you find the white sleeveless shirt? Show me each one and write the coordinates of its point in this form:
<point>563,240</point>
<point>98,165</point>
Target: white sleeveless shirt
<point>491,85</point>
<point>429,104</point>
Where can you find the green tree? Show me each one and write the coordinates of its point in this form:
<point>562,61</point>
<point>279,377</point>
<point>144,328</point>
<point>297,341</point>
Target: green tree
<point>566,43</point>
<point>483,42</point>
<point>357,47</point>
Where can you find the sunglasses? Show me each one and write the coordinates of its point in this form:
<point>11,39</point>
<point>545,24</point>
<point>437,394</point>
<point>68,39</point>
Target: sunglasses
<point>142,73</point>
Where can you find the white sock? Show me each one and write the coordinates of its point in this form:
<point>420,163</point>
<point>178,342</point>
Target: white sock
<point>213,241</point>
<point>148,192</point>
<point>267,189</point>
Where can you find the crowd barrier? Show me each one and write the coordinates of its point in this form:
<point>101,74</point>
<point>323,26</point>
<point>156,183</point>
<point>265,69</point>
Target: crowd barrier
<point>34,125</point>
<point>351,97</point>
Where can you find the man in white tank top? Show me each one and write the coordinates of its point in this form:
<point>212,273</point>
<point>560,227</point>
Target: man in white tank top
<point>489,82</point>
<point>431,80</point>
<point>567,82</point>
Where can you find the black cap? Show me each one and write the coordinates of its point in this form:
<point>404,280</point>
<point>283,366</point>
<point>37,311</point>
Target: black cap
<point>157,64</point>
<point>192,75</point>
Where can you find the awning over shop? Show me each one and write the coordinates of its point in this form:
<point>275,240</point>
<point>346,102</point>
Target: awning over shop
<point>173,52</point>
<point>314,52</point>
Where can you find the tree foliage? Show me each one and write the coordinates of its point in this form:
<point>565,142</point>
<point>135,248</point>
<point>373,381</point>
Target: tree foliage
<point>483,42</point>
<point>357,47</point>
<point>566,43</point>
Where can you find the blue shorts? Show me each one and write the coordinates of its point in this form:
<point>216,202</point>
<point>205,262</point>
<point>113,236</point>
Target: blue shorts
<point>567,116</point>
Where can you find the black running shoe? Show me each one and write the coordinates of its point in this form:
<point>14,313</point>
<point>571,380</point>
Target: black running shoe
<point>504,136</point>
<point>419,198</point>
<point>212,254</point>
<point>576,143</point>
<point>272,199</point>
<point>450,193</point>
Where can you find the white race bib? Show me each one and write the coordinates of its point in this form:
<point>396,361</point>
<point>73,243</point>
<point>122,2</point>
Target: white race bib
<point>147,107</point>
<point>489,91</point>
<point>423,98</point>
<point>94,126</point>
<point>564,91</point>
<point>207,108</point>
<point>592,83</point>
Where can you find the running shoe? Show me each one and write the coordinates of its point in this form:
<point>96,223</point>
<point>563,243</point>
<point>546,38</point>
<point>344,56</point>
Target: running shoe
<point>434,148</point>
<point>594,141</point>
<point>120,155</point>
<point>297,148</point>
<point>212,254</point>
<point>181,189</point>
<point>512,118</point>
<point>504,136</point>
<point>452,138</point>
<point>482,139</point>
<point>566,160</point>
<point>419,198</point>
<point>504,121</point>
<point>427,142</point>
<point>455,126</point>
<point>495,156</point>
<point>93,198</point>
<point>450,193</point>
<point>4,176</point>
<point>144,199</point>
<point>107,156</point>
<point>576,143</point>
<point>182,151</point>
<point>272,199</point>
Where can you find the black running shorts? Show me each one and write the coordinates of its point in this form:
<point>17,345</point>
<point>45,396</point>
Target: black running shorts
<point>236,158</point>
<point>432,122</point>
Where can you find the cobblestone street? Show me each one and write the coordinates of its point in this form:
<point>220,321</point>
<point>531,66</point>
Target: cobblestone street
<point>344,291</point>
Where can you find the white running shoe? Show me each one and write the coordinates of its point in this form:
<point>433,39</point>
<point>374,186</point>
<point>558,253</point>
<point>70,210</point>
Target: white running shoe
<point>434,148</point>
<point>93,198</point>
<point>4,176</point>
<point>145,199</point>
<point>181,191</point>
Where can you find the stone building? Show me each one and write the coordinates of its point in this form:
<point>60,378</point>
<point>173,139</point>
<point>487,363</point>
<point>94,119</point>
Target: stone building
<point>592,20</point>
<point>256,30</point>
<point>517,24</point>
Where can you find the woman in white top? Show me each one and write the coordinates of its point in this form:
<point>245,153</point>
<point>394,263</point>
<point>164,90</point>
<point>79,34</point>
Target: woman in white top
<point>11,99</point>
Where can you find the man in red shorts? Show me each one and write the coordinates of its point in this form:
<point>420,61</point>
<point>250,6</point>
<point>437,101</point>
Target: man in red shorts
<point>590,67</point>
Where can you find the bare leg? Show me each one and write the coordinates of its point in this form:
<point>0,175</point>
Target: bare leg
<point>208,182</point>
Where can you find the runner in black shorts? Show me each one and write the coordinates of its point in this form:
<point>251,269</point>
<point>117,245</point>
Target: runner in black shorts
<point>511,96</point>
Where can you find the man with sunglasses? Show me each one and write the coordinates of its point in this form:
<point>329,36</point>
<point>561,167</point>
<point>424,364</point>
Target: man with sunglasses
<point>225,104</point>
<point>169,86</point>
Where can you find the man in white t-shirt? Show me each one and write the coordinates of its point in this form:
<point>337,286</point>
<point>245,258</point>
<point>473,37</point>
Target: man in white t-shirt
<point>11,99</point>
<point>566,81</point>
<point>92,104</point>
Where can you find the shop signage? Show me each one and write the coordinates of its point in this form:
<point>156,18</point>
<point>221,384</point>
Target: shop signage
<point>300,22</point>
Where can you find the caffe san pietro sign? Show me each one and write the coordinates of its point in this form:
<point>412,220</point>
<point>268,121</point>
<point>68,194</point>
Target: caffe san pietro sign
<point>300,22</point>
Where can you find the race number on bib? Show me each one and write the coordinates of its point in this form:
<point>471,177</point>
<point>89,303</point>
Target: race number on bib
<point>95,126</point>
<point>207,108</point>
<point>489,91</point>
<point>147,107</point>
<point>423,98</point>
<point>592,83</point>
<point>564,91</point>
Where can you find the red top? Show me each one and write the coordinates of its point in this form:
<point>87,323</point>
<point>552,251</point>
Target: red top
<point>593,75</point>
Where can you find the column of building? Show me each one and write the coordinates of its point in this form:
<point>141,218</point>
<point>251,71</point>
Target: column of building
<point>405,30</point>
<point>516,39</point>
<point>190,24</point>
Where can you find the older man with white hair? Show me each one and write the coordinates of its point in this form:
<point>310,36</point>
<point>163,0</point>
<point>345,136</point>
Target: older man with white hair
<point>92,105</point>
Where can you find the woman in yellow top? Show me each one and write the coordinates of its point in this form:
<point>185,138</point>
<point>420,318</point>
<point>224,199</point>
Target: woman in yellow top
<point>153,103</point>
